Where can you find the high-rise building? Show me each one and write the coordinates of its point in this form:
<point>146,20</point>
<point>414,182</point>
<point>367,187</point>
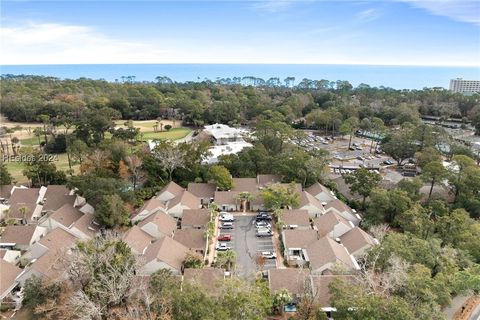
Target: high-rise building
<point>464,86</point>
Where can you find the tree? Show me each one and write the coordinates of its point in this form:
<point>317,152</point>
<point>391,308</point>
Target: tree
<point>385,205</point>
<point>463,172</point>
<point>44,119</point>
<point>101,284</point>
<point>5,177</point>
<point>226,259</point>
<point>132,169</point>
<point>427,155</point>
<point>416,220</point>
<point>37,132</point>
<point>244,198</point>
<point>362,181</point>
<point>41,170</point>
<point>434,172</point>
<point>193,302</point>
<point>77,151</point>
<point>36,292</point>
<point>400,145</point>
<point>56,145</point>
<point>221,177</point>
<point>104,271</point>
<point>411,187</point>
<point>476,124</point>
<point>273,134</point>
<point>377,127</point>
<point>168,127</point>
<point>353,303</point>
<point>111,212</point>
<point>278,196</point>
<point>193,261</point>
<point>459,230</point>
<point>239,299</point>
<point>295,164</point>
<point>280,299</point>
<point>170,156</point>
<point>467,280</point>
<point>349,127</point>
<point>93,187</point>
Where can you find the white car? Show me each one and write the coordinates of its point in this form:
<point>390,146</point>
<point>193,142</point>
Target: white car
<point>269,255</point>
<point>226,217</point>
<point>222,246</point>
<point>262,224</point>
<point>226,225</point>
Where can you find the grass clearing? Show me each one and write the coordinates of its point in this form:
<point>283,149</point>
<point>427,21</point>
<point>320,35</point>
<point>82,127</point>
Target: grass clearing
<point>147,125</point>
<point>16,168</point>
<point>172,134</point>
<point>31,141</point>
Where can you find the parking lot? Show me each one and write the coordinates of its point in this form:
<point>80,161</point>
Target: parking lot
<point>340,155</point>
<point>247,245</point>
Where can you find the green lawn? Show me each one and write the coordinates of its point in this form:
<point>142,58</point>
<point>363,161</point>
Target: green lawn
<point>31,141</point>
<point>172,134</point>
<point>138,124</point>
<point>16,168</point>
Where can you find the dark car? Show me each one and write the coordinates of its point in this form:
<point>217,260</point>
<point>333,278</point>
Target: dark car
<point>263,216</point>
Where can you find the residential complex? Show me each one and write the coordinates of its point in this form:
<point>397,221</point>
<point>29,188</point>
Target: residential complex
<point>318,238</point>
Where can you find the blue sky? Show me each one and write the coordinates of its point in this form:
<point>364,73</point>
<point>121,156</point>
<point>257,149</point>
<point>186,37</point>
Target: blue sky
<point>400,32</point>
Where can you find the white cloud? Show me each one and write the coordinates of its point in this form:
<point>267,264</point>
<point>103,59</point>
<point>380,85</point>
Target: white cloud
<point>459,10</point>
<point>369,14</point>
<point>272,5</point>
<point>52,43</point>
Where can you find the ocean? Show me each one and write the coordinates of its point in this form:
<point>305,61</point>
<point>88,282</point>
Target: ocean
<point>397,77</point>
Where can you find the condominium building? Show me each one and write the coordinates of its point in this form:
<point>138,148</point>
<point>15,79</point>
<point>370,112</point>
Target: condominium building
<point>464,86</point>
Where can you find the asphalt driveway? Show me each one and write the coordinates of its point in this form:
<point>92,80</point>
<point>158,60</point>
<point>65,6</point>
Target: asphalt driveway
<point>247,246</point>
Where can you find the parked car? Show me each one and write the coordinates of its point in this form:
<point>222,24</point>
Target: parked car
<point>269,255</point>
<point>262,224</point>
<point>224,237</point>
<point>388,162</point>
<point>226,225</point>
<point>223,247</point>
<point>226,217</point>
<point>264,233</point>
<point>264,229</point>
<point>263,216</point>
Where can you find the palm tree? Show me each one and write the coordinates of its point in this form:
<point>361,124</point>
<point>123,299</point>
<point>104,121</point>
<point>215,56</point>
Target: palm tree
<point>213,210</point>
<point>226,259</point>
<point>23,211</point>
<point>244,197</point>
<point>38,133</point>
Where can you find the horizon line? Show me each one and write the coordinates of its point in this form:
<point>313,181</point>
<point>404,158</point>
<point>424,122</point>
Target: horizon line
<point>245,63</point>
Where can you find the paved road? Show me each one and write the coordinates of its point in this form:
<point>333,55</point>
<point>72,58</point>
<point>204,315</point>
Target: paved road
<point>476,313</point>
<point>246,245</point>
